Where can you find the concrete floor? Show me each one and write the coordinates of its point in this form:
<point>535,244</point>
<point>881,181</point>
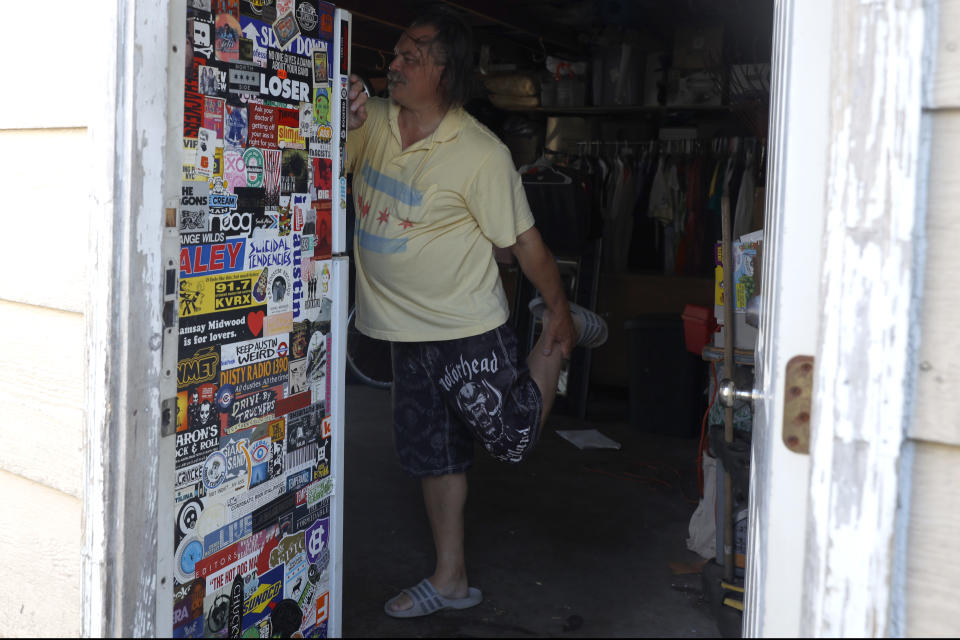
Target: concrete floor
<point>571,543</point>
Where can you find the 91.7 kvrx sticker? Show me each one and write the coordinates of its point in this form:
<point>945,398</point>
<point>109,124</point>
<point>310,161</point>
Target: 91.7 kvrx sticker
<point>222,292</point>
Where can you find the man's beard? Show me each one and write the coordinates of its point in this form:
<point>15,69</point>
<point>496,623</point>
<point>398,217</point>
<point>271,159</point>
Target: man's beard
<point>393,79</point>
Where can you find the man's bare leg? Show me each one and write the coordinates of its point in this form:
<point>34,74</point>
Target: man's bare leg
<point>445,497</point>
<point>545,370</point>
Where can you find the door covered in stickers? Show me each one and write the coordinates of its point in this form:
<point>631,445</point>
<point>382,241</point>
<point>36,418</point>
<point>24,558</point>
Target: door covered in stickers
<point>256,498</point>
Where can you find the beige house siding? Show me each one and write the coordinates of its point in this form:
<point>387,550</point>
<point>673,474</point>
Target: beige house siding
<point>933,547</point>
<point>45,176</point>
<point>42,297</point>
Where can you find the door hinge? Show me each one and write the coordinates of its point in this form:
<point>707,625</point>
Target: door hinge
<point>797,400</point>
<point>168,370</point>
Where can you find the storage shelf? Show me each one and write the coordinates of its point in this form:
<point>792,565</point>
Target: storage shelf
<point>622,110</point>
<point>740,356</point>
<point>651,110</point>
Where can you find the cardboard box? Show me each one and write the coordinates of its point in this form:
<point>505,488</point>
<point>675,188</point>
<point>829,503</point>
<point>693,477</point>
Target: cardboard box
<point>746,277</point>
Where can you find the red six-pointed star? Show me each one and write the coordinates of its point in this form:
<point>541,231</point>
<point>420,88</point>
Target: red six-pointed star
<point>364,207</point>
<point>383,217</point>
<point>405,223</point>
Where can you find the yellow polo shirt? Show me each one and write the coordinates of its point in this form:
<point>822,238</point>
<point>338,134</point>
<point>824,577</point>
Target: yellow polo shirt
<point>426,221</point>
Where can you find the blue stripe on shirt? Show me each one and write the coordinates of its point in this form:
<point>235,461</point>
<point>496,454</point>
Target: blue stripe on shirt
<point>379,244</point>
<point>391,186</point>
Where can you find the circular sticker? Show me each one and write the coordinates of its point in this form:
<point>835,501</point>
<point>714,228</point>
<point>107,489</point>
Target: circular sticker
<point>260,453</point>
<point>307,16</point>
<point>188,553</point>
<point>282,349</point>
<point>214,470</point>
<point>224,397</point>
<point>188,516</point>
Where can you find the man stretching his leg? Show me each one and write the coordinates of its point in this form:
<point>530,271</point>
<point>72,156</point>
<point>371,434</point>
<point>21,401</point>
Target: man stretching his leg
<point>435,193</point>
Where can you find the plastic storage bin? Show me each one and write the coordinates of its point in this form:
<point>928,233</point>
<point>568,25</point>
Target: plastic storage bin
<point>699,326</point>
<point>666,381</point>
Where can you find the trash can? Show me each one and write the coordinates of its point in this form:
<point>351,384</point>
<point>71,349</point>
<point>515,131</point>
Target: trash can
<point>666,393</point>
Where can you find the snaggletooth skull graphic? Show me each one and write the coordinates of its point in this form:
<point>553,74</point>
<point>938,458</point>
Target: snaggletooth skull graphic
<point>479,402</point>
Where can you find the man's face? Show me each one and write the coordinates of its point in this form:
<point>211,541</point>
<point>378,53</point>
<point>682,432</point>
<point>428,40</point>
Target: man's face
<point>413,77</point>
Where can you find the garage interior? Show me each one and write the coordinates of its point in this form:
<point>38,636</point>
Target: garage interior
<point>629,120</point>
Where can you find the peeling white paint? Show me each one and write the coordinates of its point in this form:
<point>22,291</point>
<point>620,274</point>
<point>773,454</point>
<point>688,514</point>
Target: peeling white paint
<point>860,394</point>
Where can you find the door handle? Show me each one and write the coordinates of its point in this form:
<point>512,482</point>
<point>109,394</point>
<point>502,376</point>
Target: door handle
<point>728,393</point>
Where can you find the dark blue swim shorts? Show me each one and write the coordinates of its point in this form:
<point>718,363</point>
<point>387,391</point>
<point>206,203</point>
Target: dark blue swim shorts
<point>448,393</point>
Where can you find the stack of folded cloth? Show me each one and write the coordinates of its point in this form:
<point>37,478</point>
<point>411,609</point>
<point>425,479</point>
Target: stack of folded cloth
<point>514,91</point>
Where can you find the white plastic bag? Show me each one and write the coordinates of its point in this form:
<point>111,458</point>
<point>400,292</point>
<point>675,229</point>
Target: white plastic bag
<point>703,529</point>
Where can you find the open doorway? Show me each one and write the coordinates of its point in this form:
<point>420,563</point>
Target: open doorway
<point>668,104</point>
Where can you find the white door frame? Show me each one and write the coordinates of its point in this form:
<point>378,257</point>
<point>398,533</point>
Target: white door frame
<point>124,327</point>
<point>848,165</point>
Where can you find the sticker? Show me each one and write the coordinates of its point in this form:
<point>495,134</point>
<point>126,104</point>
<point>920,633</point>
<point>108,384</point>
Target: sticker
<point>250,409</point>
<point>322,466</point>
<point>281,87</point>
<point>294,171</point>
<point>286,29</point>
<point>187,517</point>
<point>323,603</point>
<point>257,605</point>
<point>321,107</point>
<point>234,171</point>
<point>235,132</point>
<point>202,295</point>
<point>322,179</point>
<point>280,295</point>
<point>243,79</point>
<point>263,128</point>
<point>295,575</point>
<point>220,328</point>
<point>299,480</point>
<point>188,609</point>
<point>271,176</point>
<point>227,37</point>
<point>308,128</point>
<point>320,68</point>
<point>227,535</point>
<point>188,553</point>
<point>235,622</point>
<point>206,148</point>
<point>207,80</point>
<point>300,206</point>
<point>220,200</point>
<point>213,115</point>
<point>288,130</point>
<point>225,396</point>
<point>256,7</point>
<point>200,31</point>
<point>210,259</point>
<point>194,209</point>
<point>269,249</point>
<point>227,6</point>
<point>252,352</point>
<point>253,163</point>
<point>196,445</point>
<point>257,375</point>
<point>206,237</point>
<point>256,497</point>
<point>318,490</point>
<point>214,470</point>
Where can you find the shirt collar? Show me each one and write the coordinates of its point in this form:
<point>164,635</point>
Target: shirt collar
<point>448,129</point>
